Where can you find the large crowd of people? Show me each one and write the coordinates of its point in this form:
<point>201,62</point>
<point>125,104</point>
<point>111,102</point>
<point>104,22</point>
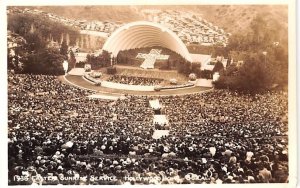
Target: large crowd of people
<point>56,135</point>
<point>132,80</point>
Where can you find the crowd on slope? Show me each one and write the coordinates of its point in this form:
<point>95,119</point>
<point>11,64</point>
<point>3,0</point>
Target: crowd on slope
<point>56,135</point>
<point>132,80</point>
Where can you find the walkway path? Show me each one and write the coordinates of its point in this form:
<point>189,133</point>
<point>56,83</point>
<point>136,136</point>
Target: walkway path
<point>78,81</point>
<point>159,120</point>
<point>106,96</point>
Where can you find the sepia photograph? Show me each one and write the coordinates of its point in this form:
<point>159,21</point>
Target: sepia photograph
<point>150,94</point>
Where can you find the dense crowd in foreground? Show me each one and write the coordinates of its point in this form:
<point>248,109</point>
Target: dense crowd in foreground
<point>59,136</point>
<point>132,80</point>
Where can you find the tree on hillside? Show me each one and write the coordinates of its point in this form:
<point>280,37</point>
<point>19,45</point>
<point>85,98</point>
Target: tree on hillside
<point>44,27</point>
<point>231,70</point>
<point>36,57</point>
<point>64,49</point>
<point>34,42</point>
<point>88,58</point>
<point>259,71</point>
<point>261,35</point>
<point>105,57</point>
<point>259,28</point>
<point>196,68</point>
<point>72,60</point>
<point>17,55</point>
<point>46,61</point>
<point>184,67</point>
<point>253,75</point>
<point>218,67</point>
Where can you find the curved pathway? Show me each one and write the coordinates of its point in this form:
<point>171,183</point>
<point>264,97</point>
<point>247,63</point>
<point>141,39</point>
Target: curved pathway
<point>78,81</point>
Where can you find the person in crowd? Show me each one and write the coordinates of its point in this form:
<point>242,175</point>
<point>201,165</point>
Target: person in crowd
<point>132,80</point>
<point>56,135</point>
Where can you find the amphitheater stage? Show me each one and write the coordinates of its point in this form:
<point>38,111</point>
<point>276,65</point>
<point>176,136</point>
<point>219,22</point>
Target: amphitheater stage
<point>148,73</point>
<point>120,86</point>
<point>79,81</point>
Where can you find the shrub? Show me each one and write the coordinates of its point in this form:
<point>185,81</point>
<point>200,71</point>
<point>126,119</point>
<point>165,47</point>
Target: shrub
<point>87,67</point>
<point>192,77</point>
<point>111,70</point>
<point>96,74</point>
<point>173,81</point>
<point>98,83</point>
<point>157,88</point>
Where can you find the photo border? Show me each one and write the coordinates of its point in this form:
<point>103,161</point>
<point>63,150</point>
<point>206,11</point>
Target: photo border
<point>292,108</point>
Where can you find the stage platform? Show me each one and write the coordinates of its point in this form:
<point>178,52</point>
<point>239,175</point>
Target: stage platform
<point>77,72</point>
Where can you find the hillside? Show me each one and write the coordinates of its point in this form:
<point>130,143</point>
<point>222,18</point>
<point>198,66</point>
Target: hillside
<point>101,13</point>
<point>237,19</point>
<point>232,18</point>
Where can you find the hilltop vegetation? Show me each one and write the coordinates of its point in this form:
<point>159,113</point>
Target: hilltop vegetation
<point>28,24</point>
<point>101,13</point>
<point>232,18</point>
<point>35,54</point>
<point>265,61</point>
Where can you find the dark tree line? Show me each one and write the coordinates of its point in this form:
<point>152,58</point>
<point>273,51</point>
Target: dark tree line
<point>36,56</point>
<point>265,55</point>
<point>44,28</point>
<point>102,60</point>
<point>45,61</point>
